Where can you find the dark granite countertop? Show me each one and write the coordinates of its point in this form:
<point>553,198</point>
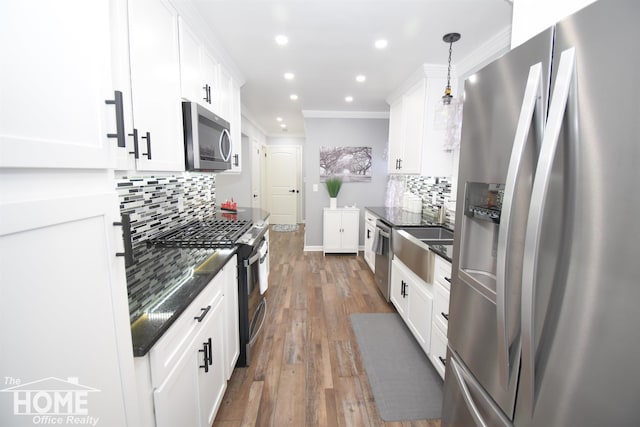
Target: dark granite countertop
<point>164,281</point>
<point>179,275</point>
<point>445,251</point>
<point>398,217</point>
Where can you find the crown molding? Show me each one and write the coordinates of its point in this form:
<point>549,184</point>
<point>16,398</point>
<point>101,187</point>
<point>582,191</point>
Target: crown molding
<point>325,114</point>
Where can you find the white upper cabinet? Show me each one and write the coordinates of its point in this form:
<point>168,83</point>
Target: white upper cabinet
<point>416,136</point>
<point>54,80</point>
<point>155,85</point>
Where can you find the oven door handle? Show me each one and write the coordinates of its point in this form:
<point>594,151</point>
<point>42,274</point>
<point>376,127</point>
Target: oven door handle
<point>262,309</point>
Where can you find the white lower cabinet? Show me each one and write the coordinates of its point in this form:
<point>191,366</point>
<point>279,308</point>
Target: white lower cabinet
<point>413,298</point>
<point>440,318</point>
<point>340,230</point>
<point>185,373</point>
<point>369,235</point>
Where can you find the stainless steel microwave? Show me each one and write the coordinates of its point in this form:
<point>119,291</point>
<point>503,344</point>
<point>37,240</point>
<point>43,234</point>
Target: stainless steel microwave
<point>207,143</point>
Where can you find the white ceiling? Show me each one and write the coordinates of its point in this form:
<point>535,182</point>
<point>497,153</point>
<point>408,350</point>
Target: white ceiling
<point>331,41</point>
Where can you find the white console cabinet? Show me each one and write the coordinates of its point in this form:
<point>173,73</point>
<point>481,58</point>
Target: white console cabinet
<point>340,231</point>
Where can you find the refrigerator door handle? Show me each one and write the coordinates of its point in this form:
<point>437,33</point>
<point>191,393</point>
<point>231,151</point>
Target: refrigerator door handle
<point>466,395</point>
<point>565,86</point>
<point>531,102</point>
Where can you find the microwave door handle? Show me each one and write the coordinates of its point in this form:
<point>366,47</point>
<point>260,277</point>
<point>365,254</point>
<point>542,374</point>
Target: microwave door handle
<point>564,99</point>
<point>530,102</point>
<point>226,156</point>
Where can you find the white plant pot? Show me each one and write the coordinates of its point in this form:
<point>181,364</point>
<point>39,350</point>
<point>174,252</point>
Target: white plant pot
<point>333,202</point>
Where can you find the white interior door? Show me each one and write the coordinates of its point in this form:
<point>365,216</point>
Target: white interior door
<point>283,169</point>
<point>256,174</point>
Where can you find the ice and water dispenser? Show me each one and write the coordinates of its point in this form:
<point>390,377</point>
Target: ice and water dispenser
<point>480,226</point>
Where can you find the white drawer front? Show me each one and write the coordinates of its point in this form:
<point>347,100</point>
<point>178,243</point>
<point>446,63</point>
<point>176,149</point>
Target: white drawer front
<point>442,272</point>
<point>441,307</point>
<point>438,350</point>
<point>166,352</point>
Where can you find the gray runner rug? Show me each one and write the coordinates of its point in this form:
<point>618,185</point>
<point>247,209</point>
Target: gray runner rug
<point>405,384</point>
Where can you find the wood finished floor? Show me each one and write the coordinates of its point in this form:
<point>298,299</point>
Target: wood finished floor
<point>306,368</point>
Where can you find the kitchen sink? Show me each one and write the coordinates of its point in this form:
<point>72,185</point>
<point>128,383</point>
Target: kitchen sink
<point>431,235</point>
<point>411,246</point>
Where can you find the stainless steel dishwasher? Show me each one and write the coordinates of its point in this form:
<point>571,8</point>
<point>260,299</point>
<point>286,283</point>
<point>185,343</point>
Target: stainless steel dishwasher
<point>382,248</point>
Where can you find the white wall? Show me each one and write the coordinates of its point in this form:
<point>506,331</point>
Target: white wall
<point>285,140</point>
<point>530,17</point>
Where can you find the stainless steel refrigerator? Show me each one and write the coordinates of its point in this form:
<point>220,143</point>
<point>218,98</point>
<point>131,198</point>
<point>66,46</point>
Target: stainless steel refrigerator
<point>544,323</point>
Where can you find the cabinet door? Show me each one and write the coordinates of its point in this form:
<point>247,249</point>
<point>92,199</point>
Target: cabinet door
<point>190,75</point>
<point>232,328</point>
<point>413,106</point>
<point>155,84</point>
<point>176,400</point>
<point>212,382</point>
<point>63,304</point>
<point>210,75</point>
<point>399,282</point>
<point>235,122</point>
<point>369,255</point>
<point>54,79</point>
<point>419,313</point>
<point>395,136</point>
<point>332,226</point>
<point>350,222</point>
<point>225,97</point>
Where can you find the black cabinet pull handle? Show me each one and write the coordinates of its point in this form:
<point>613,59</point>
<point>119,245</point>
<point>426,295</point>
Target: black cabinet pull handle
<point>236,160</point>
<point>399,163</point>
<point>209,94</point>
<point>445,315</point>
<point>210,352</point>
<point>448,279</point>
<point>443,360</point>
<point>148,138</point>
<point>368,234</point>
<point>206,93</point>
<point>292,191</point>
<point>205,310</point>
<point>125,223</point>
<point>136,150</point>
<point>205,361</point>
<point>117,101</point>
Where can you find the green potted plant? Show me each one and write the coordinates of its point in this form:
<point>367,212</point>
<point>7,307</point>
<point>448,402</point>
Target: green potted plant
<point>333,184</point>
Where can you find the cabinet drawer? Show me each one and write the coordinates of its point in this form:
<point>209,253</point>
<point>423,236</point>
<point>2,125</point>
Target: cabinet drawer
<point>442,271</point>
<point>438,350</point>
<point>441,307</point>
<point>166,352</point>
<point>370,218</point>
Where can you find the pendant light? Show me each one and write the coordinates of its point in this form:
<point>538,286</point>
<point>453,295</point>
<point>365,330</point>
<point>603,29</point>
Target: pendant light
<point>450,38</point>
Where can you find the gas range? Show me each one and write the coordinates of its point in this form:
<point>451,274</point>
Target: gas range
<point>206,233</point>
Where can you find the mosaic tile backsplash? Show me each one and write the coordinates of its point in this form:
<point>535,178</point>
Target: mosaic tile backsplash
<point>434,192</point>
<point>155,204</point>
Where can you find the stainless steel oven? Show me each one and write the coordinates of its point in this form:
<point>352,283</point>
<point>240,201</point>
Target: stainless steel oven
<point>252,322</point>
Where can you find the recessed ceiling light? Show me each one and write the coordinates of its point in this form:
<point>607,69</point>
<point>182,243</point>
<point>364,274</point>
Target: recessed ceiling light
<point>293,97</point>
<point>289,76</point>
<point>360,78</point>
<point>473,78</point>
<point>279,119</point>
<point>281,39</point>
<point>348,98</point>
<point>381,44</point>
<point>282,125</point>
